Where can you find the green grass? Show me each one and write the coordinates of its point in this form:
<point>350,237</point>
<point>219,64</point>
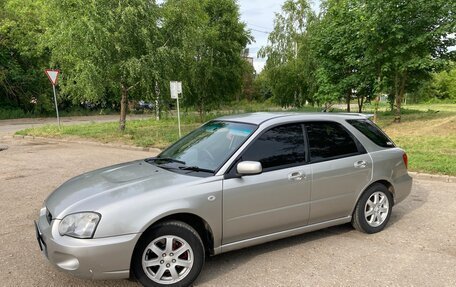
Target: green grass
<point>143,133</point>
<point>427,132</point>
<point>436,155</point>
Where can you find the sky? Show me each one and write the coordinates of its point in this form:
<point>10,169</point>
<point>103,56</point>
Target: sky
<point>259,17</point>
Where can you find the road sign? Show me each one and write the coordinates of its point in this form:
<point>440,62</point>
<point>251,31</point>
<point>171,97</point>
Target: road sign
<point>179,88</point>
<point>176,89</point>
<point>52,75</point>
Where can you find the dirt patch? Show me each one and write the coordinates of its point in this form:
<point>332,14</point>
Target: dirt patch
<point>436,127</point>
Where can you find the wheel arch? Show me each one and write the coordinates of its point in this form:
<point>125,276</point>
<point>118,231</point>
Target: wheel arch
<point>198,223</point>
<point>384,182</point>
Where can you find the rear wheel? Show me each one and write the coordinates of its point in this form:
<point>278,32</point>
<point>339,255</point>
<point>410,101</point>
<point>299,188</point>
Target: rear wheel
<point>171,254</point>
<point>373,209</point>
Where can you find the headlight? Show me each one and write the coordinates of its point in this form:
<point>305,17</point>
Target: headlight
<point>79,225</point>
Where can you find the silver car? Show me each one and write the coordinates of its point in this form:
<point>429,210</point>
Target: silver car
<point>235,182</point>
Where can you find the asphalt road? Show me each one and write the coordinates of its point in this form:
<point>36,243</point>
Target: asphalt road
<point>418,247</point>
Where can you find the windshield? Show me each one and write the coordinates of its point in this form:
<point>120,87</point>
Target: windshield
<point>208,147</point>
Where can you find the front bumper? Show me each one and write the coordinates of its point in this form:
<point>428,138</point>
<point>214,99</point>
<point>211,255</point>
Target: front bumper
<point>98,258</point>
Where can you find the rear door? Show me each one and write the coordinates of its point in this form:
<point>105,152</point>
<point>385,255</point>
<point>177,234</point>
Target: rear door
<point>278,198</point>
<point>341,169</point>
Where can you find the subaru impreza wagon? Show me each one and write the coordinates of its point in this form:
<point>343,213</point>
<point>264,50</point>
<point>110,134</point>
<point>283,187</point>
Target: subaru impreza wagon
<point>234,182</point>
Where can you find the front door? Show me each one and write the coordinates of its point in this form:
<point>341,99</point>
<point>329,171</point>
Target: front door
<point>278,198</point>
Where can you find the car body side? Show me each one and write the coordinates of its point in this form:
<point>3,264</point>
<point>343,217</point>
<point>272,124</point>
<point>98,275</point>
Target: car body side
<point>200,199</point>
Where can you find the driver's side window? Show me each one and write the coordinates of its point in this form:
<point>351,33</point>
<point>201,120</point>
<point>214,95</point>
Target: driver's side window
<point>279,147</point>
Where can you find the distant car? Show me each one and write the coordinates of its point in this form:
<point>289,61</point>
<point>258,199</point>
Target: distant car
<point>235,182</point>
<point>142,105</point>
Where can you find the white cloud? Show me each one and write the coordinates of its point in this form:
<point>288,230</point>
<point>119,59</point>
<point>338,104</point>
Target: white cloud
<point>259,17</point>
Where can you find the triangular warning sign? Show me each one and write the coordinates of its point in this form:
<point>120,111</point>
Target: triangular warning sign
<point>52,75</point>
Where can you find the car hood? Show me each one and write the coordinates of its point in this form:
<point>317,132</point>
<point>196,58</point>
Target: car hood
<point>111,183</point>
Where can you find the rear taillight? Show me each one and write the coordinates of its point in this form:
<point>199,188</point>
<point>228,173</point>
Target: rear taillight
<point>405,159</point>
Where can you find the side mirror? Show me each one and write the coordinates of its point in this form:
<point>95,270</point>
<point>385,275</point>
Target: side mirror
<point>249,167</point>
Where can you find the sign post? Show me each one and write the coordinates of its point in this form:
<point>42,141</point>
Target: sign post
<point>176,89</point>
<point>53,78</point>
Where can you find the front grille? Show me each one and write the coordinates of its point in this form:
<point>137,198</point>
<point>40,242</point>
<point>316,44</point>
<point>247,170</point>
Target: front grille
<point>48,216</point>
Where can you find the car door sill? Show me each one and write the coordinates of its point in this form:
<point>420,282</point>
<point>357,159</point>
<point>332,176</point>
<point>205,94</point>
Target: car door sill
<point>282,234</point>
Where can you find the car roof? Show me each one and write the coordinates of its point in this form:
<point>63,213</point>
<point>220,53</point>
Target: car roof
<point>263,117</point>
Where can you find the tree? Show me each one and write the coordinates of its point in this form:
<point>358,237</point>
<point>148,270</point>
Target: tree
<point>217,67</point>
<point>248,78</point>
<point>285,71</point>
<point>444,84</point>
<point>340,44</point>
<point>103,46</point>
<point>409,44</point>
<point>207,40</point>
<point>22,59</point>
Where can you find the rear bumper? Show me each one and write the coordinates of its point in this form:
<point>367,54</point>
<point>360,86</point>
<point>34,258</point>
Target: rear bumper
<point>98,258</point>
<point>402,187</point>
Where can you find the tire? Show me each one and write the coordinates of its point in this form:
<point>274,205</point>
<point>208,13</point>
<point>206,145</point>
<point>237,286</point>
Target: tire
<point>170,254</point>
<point>373,210</point>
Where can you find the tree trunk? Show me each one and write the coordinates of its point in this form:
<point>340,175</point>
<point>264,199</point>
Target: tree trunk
<point>200,108</point>
<point>360,103</point>
<point>400,91</point>
<point>157,101</point>
<point>348,102</point>
<point>377,97</point>
<point>123,108</point>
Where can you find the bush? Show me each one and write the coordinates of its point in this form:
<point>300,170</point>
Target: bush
<point>13,113</point>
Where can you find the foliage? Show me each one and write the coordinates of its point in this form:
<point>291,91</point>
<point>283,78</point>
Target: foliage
<point>411,43</point>
<point>286,71</point>
<point>113,51</point>
<point>23,84</point>
<point>358,49</point>
<point>216,67</point>
<point>262,88</point>
<point>444,84</point>
<point>103,45</point>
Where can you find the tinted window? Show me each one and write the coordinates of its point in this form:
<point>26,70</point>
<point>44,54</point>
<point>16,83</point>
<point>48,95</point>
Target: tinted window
<point>281,146</point>
<point>372,132</point>
<point>328,140</point>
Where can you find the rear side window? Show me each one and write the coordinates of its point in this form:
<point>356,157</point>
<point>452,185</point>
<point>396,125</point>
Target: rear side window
<point>329,140</point>
<point>372,132</point>
<point>280,147</point>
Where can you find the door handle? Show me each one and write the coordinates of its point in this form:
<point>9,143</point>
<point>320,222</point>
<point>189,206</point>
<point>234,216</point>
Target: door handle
<point>296,176</point>
<point>360,164</point>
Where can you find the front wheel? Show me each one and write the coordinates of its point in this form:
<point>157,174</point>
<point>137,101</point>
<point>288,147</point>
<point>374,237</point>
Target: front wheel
<point>373,209</point>
<point>170,254</point>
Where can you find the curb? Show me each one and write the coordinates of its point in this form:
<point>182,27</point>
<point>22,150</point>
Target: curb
<point>93,143</point>
<point>434,177</point>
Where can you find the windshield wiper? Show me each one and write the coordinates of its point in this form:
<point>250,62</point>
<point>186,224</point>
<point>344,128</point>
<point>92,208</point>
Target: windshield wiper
<point>184,167</point>
<point>166,159</point>
<point>196,168</point>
